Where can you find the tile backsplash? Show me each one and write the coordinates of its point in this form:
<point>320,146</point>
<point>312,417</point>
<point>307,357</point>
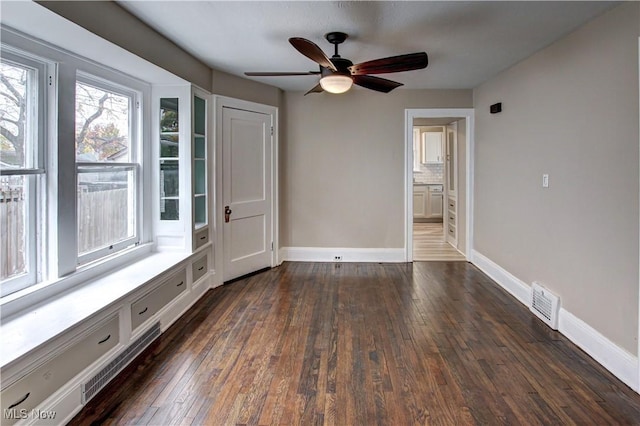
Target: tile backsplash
<point>429,173</point>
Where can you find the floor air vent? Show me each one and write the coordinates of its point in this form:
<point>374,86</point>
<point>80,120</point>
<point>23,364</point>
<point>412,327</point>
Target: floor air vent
<point>545,305</point>
<point>97,382</point>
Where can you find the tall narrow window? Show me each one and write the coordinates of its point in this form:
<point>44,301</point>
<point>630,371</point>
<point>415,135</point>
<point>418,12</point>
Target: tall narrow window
<point>107,166</point>
<point>22,118</point>
<point>169,159</point>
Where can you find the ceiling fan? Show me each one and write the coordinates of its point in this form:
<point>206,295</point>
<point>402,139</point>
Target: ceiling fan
<point>339,74</point>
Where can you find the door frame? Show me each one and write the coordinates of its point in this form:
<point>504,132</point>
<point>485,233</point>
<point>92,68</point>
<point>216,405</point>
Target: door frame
<point>463,113</point>
<point>446,183</point>
<point>221,102</point>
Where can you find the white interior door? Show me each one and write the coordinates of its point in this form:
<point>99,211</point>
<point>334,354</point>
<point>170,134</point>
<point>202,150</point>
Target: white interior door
<point>246,192</point>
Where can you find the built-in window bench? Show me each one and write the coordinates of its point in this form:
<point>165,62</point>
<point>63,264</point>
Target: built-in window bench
<point>52,349</point>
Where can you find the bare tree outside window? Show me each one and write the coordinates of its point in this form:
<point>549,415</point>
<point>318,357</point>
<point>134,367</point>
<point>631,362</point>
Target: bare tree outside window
<point>102,125</point>
<point>14,108</point>
<point>106,195</point>
<point>13,114</point>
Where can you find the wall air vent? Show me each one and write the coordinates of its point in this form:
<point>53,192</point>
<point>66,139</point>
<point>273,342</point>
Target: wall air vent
<point>545,305</point>
<point>97,382</point>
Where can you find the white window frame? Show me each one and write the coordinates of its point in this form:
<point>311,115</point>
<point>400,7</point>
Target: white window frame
<point>134,164</point>
<point>57,233</point>
<point>34,169</point>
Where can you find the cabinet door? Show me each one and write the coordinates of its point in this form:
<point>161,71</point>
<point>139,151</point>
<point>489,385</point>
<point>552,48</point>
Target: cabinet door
<point>169,160</point>
<point>199,269</point>
<point>432,147</point>
<point>200,216</point>
<point>420,201</point>
<point>435,204</point>
<point>147,306</point>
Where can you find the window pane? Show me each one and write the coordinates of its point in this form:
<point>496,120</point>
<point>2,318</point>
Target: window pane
<point>102,125</point>
<point>169,190</point>
<point>16,104</point>
<point>13,226</point>
<point>169,153</point>
<point>169,115</point>
<point>106,203</point>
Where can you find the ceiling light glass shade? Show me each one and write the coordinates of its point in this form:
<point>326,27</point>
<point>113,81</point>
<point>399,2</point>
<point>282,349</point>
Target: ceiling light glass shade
<point>336,83</point>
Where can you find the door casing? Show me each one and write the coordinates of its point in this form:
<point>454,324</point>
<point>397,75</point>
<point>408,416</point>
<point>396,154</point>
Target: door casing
<point>410,114</point>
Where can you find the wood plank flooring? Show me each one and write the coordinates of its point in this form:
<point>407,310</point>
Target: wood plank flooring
<point>362,344</point>
<point>429,244</point>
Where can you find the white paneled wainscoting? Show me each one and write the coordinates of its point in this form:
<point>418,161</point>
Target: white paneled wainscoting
<point>61,352</point>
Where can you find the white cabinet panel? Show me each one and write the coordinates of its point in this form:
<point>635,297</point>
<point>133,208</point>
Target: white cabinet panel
<point>199,268</point>
<point>28,392</point>
<point>146,306</point>
<point>432,143</point>
<point>420,200</point>
<point>435,204</point>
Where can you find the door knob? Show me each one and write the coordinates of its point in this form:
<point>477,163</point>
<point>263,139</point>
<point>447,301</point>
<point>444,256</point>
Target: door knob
<point>227,213</point>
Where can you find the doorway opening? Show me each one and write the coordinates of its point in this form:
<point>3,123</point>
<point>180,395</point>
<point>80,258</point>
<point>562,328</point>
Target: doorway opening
<point>438,184</point>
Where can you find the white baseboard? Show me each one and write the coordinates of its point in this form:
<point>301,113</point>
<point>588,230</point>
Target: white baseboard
<point>618,361</point>
<point>517,288</point>
<point>327,254</point>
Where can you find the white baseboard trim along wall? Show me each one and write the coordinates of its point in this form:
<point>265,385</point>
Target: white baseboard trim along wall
<point>341,254</point>
<point>618,361</point>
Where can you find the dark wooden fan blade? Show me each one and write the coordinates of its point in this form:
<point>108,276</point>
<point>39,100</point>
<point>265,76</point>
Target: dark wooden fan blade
<point>375,83</point>
<point>412,61</point>
<point>279,74</point>
<point>311,51</point>
<point>316,89</point>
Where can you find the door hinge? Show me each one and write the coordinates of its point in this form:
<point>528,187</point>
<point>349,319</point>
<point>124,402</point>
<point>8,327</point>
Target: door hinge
<point>50,80</point>
<point>271,130</point>
<point>271,245</point>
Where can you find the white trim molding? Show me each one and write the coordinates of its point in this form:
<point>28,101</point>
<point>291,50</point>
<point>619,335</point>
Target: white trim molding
<point>328,254</point>
<point>514,286</point>
<point>410,114</point>
<point>618,361</point>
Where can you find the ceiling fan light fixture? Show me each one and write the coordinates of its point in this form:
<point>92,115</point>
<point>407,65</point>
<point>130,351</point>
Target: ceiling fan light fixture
<point>336,83</point>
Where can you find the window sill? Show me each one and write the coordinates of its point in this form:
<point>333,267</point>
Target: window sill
<point>31,328</point>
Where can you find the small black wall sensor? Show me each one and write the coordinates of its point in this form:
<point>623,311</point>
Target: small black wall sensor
<point>496,108</point>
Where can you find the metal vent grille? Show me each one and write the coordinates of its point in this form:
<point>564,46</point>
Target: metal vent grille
<point>545,305</point>
<point>97,382</point>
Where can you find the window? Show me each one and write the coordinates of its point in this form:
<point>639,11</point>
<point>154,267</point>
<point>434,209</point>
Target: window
<point>106,124</point>
<point>22,142</point>
<point>74,186</point>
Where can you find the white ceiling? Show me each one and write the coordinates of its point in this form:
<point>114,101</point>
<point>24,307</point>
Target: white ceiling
<point>467,42</point>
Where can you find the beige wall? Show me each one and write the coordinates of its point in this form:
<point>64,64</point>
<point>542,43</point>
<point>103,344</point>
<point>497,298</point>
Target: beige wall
<point>241,88</point>
<point>570,111</point>
<point>111,22</point>
<point>342,180</point>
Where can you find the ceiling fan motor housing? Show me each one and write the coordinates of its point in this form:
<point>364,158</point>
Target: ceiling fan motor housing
<point>336,37</point>
<point>342,65</point>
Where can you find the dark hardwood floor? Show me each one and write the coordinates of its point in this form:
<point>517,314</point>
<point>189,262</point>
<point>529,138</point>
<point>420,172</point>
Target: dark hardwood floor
<point>362,344</point>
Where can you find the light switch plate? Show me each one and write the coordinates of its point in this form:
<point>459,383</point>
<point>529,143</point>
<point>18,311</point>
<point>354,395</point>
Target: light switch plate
<point>545,180</point>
